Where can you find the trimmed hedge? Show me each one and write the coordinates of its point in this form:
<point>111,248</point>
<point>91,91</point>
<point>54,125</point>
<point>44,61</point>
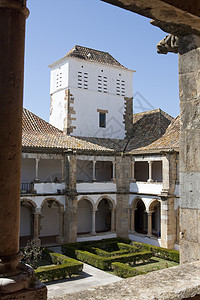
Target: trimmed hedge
<point>104,253</point>
<point>164,253</point>
<point>109,245</point>
<point>64,267</point>
<point>130,248</point>
<point>104,263</point>
<point>124,271</point>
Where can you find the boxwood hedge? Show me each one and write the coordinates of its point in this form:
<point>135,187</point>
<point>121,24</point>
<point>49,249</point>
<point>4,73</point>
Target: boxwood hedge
<point>109,245</point>
<point>104,263</point>
<point>63,267</point>
<point>124,271</point>
<point>164,253</point>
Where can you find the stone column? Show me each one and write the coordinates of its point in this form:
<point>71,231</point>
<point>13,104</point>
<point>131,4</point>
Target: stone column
<point>150,171</point>
<point>123,179</point>
<point>37,169</point>
<point>70,216</point>
<point>189,93</point>
<point>12,35</point>
<point>60,238</point>
<point>133,220</point>
<point>36,226</point>
<point>133,171</point>
<point>93,232</point>
<point>94,171</point>
<point>168,222</point>
<point>113,219</point>
<point>113,175</point>
<point>62,170</point>
<point>17,280</point>
<point>149,213</point>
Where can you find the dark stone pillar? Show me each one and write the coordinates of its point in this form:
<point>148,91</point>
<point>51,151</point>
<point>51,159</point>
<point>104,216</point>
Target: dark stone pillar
<point>189,85</point>
<point>12,35</point>
<point>18,281</point>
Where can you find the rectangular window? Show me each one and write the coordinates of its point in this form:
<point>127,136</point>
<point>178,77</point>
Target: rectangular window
<point>102,120</point>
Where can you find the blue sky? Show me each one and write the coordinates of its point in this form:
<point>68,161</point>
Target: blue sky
<point>55,26</point>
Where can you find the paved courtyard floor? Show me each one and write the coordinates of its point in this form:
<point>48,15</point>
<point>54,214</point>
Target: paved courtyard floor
<point>88,279</point>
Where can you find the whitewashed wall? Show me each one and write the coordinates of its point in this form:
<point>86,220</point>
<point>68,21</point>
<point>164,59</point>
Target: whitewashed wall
<point>58,109</point>
<point>49,220</point>
<point>146,187</point>
<point>49,169</point>
<point>25,221</point>
<point>87,101</point>
<point>27,170</point>
<point>84,216</point>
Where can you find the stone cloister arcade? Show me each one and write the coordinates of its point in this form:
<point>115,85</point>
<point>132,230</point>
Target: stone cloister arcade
<point>145,218</point>
<point>44,224</point>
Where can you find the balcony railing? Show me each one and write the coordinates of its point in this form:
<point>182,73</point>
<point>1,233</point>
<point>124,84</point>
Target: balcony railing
<point>26,188</point>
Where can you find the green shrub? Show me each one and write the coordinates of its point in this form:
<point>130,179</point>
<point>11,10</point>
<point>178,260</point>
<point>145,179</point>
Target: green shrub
<point>104,263</point>
<point>64,267</point>
<point>109,245</point>
<point>104,253</point>
<point>130,248</point>
<point>124,271</point>
<point>32,254</point>
<point>160,252</point>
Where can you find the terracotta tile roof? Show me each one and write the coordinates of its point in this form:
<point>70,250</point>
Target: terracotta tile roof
<point>112,144</point>
<point>170,140</point>
<point>148,127</point>
<point>93,55</point>
<point>138,116</point>
<point>149,135</point>
<point>37,133</point>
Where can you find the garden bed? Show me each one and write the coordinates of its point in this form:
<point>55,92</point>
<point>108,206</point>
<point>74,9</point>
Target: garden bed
<point>124,257</point>
<point>49,265</point>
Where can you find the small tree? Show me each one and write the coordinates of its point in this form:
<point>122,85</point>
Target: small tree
<point>32,254</point>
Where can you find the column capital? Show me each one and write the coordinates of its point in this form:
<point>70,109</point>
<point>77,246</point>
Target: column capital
<point>19,5</point>
<point>37,211</point>
<point>149,212</point>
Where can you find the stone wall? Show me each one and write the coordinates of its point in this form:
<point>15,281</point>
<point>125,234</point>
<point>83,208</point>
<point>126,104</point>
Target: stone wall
<point>168,214</point>
<point>123,177</point>
<point>181,282</point>
<point>70,113</point>
<point>128,117</point>
<point>189,84</point>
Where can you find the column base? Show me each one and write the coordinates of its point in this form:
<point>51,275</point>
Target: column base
<point>93,233</point>
<point>150,180</point>
<point>24,285</point>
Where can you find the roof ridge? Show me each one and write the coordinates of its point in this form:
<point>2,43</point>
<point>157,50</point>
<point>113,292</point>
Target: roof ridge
<point>91,55</point>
